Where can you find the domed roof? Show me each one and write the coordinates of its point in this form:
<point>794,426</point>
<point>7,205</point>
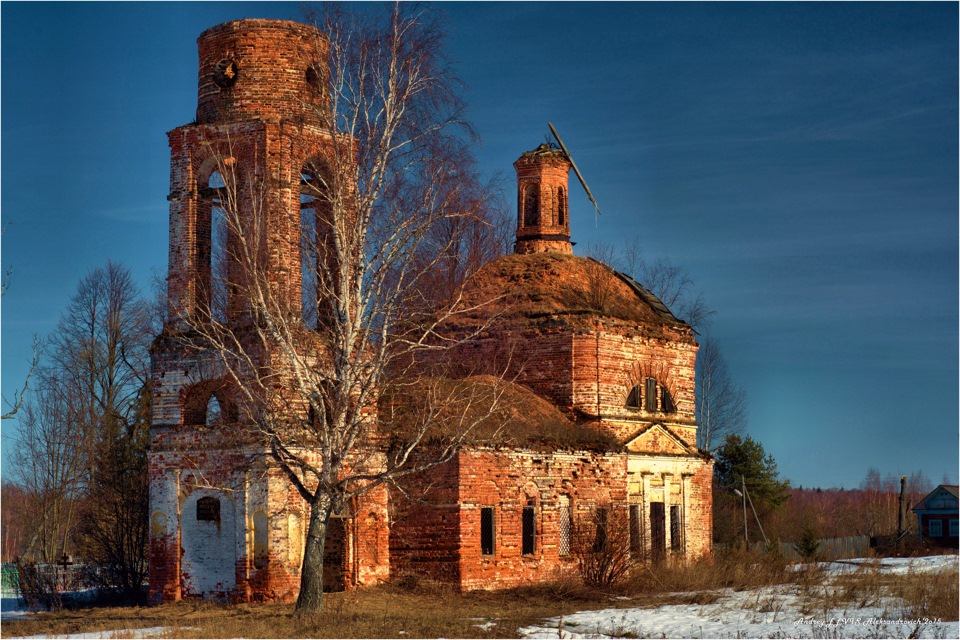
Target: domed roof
<point>569,288</point>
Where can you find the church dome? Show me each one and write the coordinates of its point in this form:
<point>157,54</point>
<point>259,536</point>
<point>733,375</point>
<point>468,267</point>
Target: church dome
<point>559,288</point>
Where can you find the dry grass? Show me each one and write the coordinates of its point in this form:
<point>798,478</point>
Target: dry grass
<point>428,610</point>
<point>733,569</point>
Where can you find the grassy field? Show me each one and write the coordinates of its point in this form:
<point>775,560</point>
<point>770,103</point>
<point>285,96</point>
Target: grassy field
<point>427,610</point>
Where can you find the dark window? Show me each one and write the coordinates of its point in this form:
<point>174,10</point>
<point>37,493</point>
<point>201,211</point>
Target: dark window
<point>531,205</point>
<point>561,206</point>
<point>936,528</point>
<point>668,406</point>
<point>635,533</point>
<point>565,525</point>
<point>650,394</point>
<point>487,538</point>
<point>529,537</point>
<point>633,398</point>
<point>676,529</point>
<point>600,540</point>
<point>208,510</point>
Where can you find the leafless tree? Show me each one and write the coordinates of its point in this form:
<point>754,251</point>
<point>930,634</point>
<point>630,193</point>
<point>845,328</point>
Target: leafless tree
<point>721,405</point>
<point>393,203</point>
<point>50,463</point>
<point>77,423</point>
<point>671,283</point>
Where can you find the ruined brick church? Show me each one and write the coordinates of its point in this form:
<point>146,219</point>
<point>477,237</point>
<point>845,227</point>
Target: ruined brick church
<point>602,378</point>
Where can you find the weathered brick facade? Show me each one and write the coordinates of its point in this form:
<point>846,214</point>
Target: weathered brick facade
<point>225,523</point>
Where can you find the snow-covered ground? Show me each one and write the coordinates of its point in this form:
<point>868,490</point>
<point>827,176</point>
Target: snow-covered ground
<point>769,612</point>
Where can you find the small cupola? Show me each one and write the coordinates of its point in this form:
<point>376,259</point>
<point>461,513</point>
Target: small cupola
<point>543,220</point>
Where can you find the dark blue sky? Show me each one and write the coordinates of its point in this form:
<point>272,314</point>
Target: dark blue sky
<point>800,160</point>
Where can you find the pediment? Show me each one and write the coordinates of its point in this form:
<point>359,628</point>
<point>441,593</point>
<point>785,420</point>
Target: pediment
<point>657,439</point>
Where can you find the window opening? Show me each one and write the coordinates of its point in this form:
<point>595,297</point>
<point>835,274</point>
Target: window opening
<point>531,205</point>
<point>635,546</point>
<point>528,537</point>
<point>309,256</point>
<point>565,525</point>
<point>676,530</point>
<point>668,406</point>
<point>214,413</point>
<point>487,538</point>
<point>212,248</point>
<point>633,398</point>
<point>561,206</point>
<point>208,510</point>
<point>954,529</point>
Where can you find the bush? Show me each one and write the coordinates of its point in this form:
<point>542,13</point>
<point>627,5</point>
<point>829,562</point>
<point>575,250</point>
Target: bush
<point>601,545</point>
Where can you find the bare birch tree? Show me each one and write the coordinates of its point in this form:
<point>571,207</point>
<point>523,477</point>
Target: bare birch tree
<point>392,203</point>
<point>721,405</point>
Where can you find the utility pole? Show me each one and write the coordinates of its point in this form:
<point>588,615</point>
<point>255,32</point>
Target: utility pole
<point>743,486</point>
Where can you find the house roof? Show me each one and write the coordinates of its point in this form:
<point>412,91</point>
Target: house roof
<point>575,290</point>
<point>944,498</point>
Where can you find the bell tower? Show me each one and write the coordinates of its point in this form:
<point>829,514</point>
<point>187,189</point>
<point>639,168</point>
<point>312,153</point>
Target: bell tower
<point>543,219</point>
<point>250,192</point>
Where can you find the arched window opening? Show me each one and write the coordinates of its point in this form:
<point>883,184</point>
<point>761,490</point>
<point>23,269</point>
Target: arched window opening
<point>315,239</point>
<point>561,206</point>
<point>531,205</point>
<point>645,395</point>
<point>211,239</point>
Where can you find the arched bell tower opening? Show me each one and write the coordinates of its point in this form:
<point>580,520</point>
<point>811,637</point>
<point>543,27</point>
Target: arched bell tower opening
<point>543,222</point>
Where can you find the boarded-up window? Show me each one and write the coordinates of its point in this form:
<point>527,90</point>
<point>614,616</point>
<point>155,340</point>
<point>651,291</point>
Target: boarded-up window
<point>208,510</point>
<point>565,525</point>
<point>650,394</point>
<point>528,537</point>
<point>487,538</point>
<point>676,529</point>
